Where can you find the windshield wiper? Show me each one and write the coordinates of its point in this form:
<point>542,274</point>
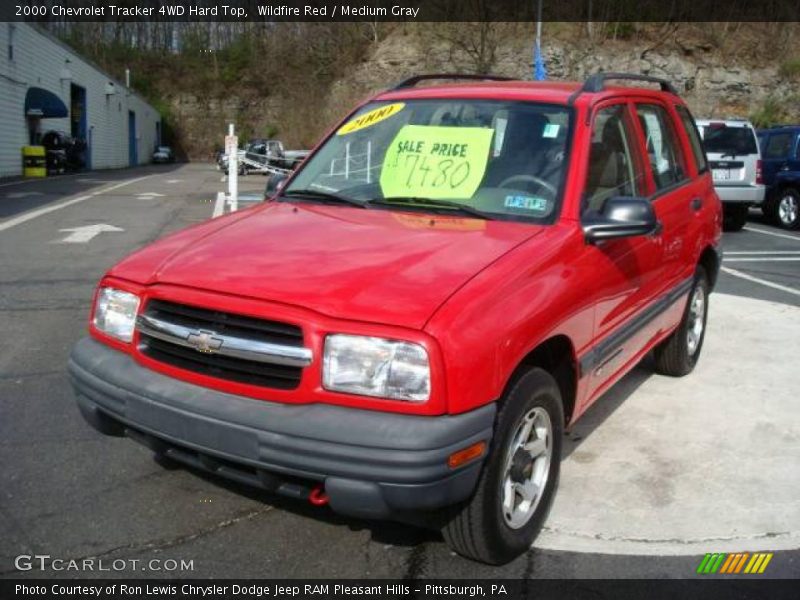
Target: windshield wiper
<point>324,196</point>
<point>431,203</point>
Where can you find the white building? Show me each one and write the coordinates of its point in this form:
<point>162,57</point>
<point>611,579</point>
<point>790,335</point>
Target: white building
<point>45,85</point>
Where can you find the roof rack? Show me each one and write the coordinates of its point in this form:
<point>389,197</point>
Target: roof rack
<point>412,81</point>
<point>596,82</point>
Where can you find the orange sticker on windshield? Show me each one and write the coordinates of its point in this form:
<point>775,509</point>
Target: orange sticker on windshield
<point>370,118</point>
<point>440,222</point>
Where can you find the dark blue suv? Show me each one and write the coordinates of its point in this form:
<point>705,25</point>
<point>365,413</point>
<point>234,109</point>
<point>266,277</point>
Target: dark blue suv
<point>780,155</point>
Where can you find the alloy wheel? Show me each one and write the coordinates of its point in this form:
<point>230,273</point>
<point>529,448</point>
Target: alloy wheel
<point>788,209</point>
<point>527,467</point>
<point>697,312</point>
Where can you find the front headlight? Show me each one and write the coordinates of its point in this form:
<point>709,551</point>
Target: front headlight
<point>115,313</point>
<point>371,366</point>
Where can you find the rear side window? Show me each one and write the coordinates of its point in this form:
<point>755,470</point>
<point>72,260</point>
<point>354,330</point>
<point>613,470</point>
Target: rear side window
<point>694,138</point>
<point>779,145</point>
<point>662,147</point>
<point>719,137</point>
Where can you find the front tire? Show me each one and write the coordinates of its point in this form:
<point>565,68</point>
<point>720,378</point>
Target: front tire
<point>517,483</point>
<point>677,355</point>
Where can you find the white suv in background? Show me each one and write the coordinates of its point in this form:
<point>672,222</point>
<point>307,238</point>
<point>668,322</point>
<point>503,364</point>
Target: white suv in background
<point>735,161</point>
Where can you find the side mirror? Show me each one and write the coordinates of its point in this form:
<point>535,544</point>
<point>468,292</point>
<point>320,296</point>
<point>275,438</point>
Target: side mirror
<point>274,184</point>
<point>621,217</point>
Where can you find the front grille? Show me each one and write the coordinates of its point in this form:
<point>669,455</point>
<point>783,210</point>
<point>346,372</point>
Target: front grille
<point>172,349</point>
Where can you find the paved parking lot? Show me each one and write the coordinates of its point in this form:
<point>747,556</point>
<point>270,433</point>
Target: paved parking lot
<point>658,472</point>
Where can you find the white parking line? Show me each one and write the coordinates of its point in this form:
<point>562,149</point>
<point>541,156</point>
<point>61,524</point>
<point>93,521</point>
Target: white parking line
<point>757,252</point>
<point>776,286</point>
<point>772,233</point>
<point>48,209</point>
<point>764,259</point>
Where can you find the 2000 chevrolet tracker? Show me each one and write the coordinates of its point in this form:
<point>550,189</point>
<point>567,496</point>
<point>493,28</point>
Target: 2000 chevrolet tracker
<point>408,324</point>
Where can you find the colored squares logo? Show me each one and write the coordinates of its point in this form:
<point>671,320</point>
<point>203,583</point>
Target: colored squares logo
<point>734,564</point>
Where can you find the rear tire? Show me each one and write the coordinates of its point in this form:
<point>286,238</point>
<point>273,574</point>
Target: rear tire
<point>492,527</point>
<point>677,355</point>
<point>734,216</point>
<point>783,209</point>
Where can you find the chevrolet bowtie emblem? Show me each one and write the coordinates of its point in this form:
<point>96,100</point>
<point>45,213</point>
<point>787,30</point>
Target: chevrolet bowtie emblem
<point>204,341</point>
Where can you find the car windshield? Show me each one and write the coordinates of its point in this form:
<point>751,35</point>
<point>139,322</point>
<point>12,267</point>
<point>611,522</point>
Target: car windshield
<point>723,139</point>
<point>163,149</point>
<point>500,159</point>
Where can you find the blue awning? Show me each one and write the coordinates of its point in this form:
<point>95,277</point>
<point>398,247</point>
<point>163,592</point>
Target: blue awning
<point>42,103</point>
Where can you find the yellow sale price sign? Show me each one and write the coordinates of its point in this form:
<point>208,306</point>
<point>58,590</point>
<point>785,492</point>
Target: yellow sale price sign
<point>436,162</point>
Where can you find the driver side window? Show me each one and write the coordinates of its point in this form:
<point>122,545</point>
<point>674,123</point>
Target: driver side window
<point>612,171</point>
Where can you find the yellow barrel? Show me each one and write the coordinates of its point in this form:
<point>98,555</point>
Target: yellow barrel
<point>34,163</point>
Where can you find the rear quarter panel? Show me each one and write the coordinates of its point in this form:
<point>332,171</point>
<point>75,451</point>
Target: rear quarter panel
<point>705,226</point>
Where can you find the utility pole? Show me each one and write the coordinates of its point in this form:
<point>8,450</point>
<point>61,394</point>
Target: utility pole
<point>539,25</point>
<point>232,150</point>
<point>539,71</point>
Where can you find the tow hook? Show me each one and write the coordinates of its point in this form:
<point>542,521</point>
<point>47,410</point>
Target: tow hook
<point>318,497</point>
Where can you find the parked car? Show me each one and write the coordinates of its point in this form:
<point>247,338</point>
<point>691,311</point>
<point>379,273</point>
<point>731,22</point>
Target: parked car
<point>258,152</point>
<point>780,149</point>
<point>292,158</point>
<point>735,161</point>
<point>405,329</point>
<point>272,152</point>
<point>163,154</point>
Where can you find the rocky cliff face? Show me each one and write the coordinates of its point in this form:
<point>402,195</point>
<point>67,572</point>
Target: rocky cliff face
<point>713,88</point>
<point>723,70</point>
<point>714,83</point>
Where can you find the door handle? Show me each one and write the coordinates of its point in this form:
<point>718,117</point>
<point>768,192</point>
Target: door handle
<point>697,203</point>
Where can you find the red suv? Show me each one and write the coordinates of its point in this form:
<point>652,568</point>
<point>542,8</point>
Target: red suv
<point>405,329</point>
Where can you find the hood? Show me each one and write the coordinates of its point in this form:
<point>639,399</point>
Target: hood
<point>368,265</point>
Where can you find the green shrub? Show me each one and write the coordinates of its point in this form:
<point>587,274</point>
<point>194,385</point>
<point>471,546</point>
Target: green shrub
<point>790,69</point>
<point>772,112</point>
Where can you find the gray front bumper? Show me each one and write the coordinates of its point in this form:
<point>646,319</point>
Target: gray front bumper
<point>373,464</point>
